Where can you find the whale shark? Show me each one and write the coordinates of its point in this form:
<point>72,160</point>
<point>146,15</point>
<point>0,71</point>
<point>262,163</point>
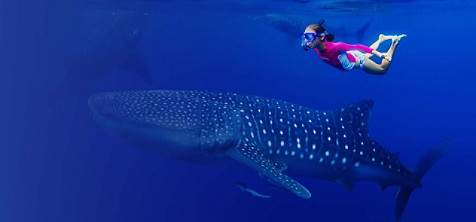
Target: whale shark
<point>277,139</point>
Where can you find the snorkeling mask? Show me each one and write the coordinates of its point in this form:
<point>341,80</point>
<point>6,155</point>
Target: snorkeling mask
<point>309,38</point>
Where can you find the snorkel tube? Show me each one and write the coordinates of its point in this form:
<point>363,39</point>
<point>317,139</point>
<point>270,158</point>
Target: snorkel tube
<point>305,46</point>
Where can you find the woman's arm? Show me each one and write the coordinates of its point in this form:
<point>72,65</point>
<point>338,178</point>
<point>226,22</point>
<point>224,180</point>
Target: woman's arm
<point>346,47</point>
<point>380,55</point>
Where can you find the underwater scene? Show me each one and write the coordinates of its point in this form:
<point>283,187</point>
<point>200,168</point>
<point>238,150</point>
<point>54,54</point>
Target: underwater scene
<point>238,110</point>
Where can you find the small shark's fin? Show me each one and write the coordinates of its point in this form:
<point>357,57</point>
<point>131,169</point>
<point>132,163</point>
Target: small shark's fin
<point>356,115</point>
<point>251,155</point>
<point>426,162</point>
<point>347,184</point>
<point>360,33</point>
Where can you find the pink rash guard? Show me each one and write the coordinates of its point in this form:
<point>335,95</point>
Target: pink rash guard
<point>334,49</point>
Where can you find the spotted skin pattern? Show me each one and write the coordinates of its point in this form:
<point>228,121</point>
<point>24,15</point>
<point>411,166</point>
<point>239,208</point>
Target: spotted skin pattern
<point>274,137</point>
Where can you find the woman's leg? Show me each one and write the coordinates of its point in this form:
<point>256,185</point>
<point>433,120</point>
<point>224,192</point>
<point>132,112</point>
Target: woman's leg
<point>373,68</point>
<point>395,40</point>
<point>381,38</point>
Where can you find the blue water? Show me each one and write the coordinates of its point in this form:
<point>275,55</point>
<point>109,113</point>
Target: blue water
<point>57,165</point>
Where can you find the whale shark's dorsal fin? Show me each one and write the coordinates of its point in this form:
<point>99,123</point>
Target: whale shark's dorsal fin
<point>356,115</point>
<point>252,156</point>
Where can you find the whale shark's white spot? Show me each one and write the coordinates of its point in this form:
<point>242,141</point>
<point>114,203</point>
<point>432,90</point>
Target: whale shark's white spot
<point>381,163</point>
<point>327,120</point>
<point>278,151</point>
<point>249,124</point>
<point>264,131</point>
<point>333,162</point>
<point>361,153</point>
<point>301,156</point>
<point>344,159</point>
<point>269,143</point>
<point>336,155</point>
<point>357,164</point>
<point>329,138</point>
<point>270,151</point>
<point>373,158</point>
<point>311,156</point>
<point>345,136</point>
<point>346,147</point>
<point>293,153</point>
<point>337,141</point>
<point>282,143</point>
<point>313,146</point>
<point>280,120</point>
<point>327,153</point>
<point>252,135</point>
<point>295,126</point>
<point>321,160</point>
<point>281,132</point>
<point>328,128</point>
<point>285,152</point>
<point>314,131</point>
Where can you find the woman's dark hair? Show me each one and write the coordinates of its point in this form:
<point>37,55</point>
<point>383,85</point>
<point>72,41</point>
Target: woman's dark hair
<point>318,28</point>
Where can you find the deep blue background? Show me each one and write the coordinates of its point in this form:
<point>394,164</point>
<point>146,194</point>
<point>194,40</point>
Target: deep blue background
<point>56,165</point>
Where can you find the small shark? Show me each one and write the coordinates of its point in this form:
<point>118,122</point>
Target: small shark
<point>275,138</point>
<point>117,35</point>
<point>244,188</point>
<point>293,27</point>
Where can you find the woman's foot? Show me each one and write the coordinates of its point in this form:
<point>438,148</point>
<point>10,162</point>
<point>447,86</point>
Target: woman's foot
<point>396,39</point>
<point>383,37</point>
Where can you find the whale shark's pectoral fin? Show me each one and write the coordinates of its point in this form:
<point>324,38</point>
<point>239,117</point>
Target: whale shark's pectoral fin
<point>253,157</point>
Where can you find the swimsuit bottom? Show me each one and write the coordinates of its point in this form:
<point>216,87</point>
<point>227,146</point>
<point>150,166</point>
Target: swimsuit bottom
<point>348,65</point>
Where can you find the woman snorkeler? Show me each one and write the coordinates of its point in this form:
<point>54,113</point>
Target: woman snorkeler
<point>347,57</point>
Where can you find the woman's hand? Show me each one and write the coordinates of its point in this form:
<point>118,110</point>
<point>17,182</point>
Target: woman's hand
<point>385,56</point>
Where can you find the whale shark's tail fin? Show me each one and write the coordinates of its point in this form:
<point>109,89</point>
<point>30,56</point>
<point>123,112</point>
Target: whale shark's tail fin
<point>425,163</point>
<point>361,32</point>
